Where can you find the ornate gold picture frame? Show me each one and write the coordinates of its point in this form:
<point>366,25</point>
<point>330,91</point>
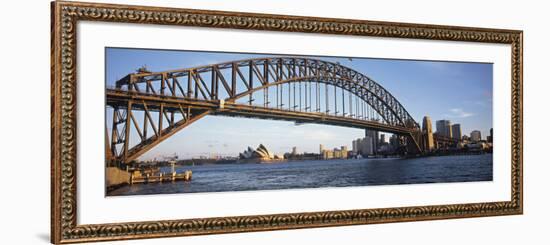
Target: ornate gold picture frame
<point>64,188</point>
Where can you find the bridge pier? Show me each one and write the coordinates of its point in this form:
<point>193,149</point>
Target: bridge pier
<point>414,145</point>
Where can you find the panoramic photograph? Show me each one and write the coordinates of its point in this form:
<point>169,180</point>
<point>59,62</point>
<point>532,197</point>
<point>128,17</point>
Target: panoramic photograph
<point>184,121</point>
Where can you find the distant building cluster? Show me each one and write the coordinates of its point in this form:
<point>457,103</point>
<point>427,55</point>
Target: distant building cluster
<point>364,146</point>
<point>336,153</point>
<point>447,138</point>
<point>375,143</point>
<point>444,128</point>
<point>450,137</point>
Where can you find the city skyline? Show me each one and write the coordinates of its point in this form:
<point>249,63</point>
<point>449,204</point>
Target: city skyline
<point>460,102</point>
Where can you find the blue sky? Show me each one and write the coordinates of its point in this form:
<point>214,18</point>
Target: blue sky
<point>457,91</point>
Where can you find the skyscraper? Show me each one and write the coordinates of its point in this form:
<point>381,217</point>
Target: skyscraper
<point>428,138</point>
<point>382,139</point>
<point>373,135</point>
<point>457,131</point>
<point>344,151</point>
<point>321,149</point>
<point>394,141</point>
<point>363,146</point>
<point>475,136</point>
<point>440,127</point>
<point>366,146</point>
<point>444,128</point>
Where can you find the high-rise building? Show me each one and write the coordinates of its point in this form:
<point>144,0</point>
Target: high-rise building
<point>328,154</point>
<point>427,133</point>
<point>341,153</point>
<point>444,128</point>
<point>475,136</point>
<point>448,129</point>
<point>394,141</point>
<point>382,139</point>
<point>440,127</point>
<point>294,150</point>
<point>456,131</point>
<point>321,149</point>
<point>344,151</point>
<point>363,146</point>
<point>373,135</point>
<point>490,137</point>
<point>366,147</point>
<point>357,145</point>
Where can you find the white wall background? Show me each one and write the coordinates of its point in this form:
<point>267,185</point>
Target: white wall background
<point>25,142</point>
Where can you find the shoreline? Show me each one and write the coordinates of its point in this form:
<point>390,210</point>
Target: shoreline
<point>379,156</point>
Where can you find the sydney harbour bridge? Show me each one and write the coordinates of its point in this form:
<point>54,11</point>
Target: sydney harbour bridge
<point>149,107</point>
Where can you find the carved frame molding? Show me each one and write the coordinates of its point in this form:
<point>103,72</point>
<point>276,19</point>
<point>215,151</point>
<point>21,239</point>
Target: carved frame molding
<point>65,16</point>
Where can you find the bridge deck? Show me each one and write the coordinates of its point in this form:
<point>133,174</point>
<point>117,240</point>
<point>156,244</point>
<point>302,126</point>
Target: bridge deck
<point>120,98</point>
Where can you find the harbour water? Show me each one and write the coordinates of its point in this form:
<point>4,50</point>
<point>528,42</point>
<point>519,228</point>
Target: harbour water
<point>322,173</point>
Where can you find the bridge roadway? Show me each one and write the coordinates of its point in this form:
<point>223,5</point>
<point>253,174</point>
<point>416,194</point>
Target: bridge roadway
<point>230,108</point>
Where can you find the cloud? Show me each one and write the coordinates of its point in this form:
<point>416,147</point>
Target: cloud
<point>458,113</point>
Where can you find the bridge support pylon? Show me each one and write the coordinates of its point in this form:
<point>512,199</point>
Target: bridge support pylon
<point>414,140</point>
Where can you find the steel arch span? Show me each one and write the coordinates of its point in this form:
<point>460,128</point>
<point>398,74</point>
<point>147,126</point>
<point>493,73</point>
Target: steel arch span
<point>298,89</point>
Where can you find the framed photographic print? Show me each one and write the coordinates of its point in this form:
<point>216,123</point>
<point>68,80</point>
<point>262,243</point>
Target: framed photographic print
<point>235,122</point>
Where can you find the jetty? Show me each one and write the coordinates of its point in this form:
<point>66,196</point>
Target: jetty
<point>160,177</point>
<point>116,177</point>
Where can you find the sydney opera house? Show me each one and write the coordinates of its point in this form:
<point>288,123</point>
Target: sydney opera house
<point>261,153</point>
